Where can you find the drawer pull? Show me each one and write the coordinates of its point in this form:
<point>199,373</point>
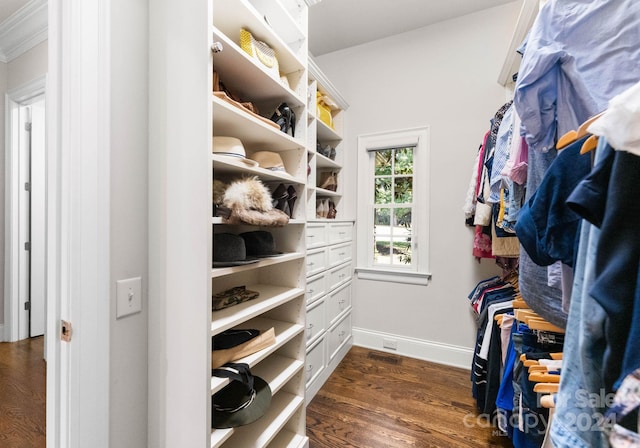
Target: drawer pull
<point>310,367</point>
<point>310,291</point>
<point>342,275</point>
<point>342,233</point>
<point>311,236</point>
<point>342,254</point>
<point>342,301</point>
<point>311,263</point>
<point>310,327</point>
<point>342,333</point>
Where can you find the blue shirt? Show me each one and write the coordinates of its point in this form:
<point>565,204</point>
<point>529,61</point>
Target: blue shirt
<point>579,54</point>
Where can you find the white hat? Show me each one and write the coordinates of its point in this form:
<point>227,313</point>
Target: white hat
<point>231,147</point>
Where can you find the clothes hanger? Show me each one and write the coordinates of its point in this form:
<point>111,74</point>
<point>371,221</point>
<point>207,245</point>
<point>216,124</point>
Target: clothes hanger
<point>538,377</point>
<point>546,388</point>
<point>555,356</point>
<point>589,145</point>
<point>574,135</point>
<point>541,324</point>
<point>548,401</point>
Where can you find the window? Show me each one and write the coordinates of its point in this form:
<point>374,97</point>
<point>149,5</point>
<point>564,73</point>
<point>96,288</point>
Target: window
<point>394,170</point>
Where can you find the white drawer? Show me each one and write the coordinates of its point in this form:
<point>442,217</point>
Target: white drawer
<point>337,302</point>
<point>316,288</point>
<point>339,254</point>
<point>339,275</point>
<point>315,322</point>
<point>340,232</point>
<point>315,362</point>
<point>316,235</point>
<point>339,335</point>
<point>316,261</point>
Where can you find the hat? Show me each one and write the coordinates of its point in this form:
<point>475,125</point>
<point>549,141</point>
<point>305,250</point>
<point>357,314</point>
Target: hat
<point>268,160</point>
<point>229,250</point>
<point>220,356</point>
<point>260,243</point>
<point>231,147</point>
<point>243,401</point>
<point>233,296</point>
<point>232,337</point>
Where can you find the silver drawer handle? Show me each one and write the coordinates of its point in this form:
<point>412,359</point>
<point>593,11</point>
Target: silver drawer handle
<point>310,291</point>
<point>342,275</point>
<point>311,236</point>
<point>310,367</point>
<point>311,263</point>
<point>342,333</point>
<point>342,301</point>
<point>310,327</point>
<point>341,254</point>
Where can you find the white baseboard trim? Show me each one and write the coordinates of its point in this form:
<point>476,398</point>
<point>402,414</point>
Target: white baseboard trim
<point>451,355</point>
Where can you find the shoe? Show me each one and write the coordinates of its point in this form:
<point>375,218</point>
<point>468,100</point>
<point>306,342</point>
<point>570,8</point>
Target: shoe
<point>279,197</point>
<point>291,201</point>
<point>285,117</point>
<point>331,213</point>
<point>332,153</point>
<point>329,181</point>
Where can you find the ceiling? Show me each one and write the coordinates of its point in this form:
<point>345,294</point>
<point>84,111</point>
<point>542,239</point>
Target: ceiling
<point>8,7</point>
<point>338,24</point>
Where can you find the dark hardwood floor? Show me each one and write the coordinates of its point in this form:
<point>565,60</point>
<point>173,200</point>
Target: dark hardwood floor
<point>380,400</point>
<point>22,394</point>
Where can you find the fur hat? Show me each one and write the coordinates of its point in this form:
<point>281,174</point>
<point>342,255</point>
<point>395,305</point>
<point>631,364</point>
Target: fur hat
<point>250,203</point>
<point>219,188</point>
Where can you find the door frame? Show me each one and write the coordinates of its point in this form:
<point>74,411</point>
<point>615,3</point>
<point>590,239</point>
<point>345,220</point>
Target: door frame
<point>24,95</point>
<point>78,217</point>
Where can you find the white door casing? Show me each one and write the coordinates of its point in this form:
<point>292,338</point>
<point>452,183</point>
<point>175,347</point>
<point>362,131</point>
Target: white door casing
<point>78,141</point>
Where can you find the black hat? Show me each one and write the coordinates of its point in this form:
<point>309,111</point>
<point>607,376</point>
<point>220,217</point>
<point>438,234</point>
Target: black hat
<point>229,250</point>
<point>232,338</point>
<point>260,244</point>
<point>244,400</point>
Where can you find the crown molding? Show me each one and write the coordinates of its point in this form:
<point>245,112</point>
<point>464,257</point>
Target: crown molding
<point>23,30</point>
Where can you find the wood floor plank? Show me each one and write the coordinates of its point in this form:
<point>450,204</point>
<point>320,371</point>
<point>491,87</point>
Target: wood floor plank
<point>23,394</point>
<point>379,400</point>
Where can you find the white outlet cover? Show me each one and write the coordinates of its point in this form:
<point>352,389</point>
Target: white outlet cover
<point>129,296</point>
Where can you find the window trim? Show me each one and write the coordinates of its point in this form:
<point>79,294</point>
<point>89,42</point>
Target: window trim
<point>418,138</point>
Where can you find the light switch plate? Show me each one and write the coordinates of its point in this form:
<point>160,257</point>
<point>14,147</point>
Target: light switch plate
<point>129,296</point>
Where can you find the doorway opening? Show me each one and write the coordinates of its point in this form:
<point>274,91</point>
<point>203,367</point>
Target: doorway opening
<point>25,213</point>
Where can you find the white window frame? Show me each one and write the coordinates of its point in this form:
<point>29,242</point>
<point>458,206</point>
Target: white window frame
<point>418,273</point>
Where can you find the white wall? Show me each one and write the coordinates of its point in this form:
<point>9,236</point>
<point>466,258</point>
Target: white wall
<point>129,220</point>
<point>443,76</point>
<point>29,65</point>
<point>3,89</point>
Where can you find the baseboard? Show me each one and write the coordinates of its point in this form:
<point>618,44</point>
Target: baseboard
<point>2,335</point>
<point>451,355</point>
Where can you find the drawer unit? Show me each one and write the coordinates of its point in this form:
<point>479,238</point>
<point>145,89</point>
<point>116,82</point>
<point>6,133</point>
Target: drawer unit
<point>340,232</point>
<point>338,302</point>
<point>315,362</point>
<point>338,254</point>
<point>316,261</point>
<point>316,235</point>
<point>339,335</point>
<point>315,322</point>
<point>339,275</point>
<point>316,288</point>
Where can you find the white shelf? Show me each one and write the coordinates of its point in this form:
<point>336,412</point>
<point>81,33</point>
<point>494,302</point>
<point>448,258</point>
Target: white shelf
<point>260,433</point>
<point>219,436</point>
<point>277,368</point>
<point>270,297</point>
<point>281,21</point>
<point>221,272</point>
<point>242,76</point>
<point>218,220</point>
<point>237,14</point>
<point>321,192</point>
<point>233,121</point>
<point>224,164</point>
<point>288,439</point>
<point>325,133</point>
<point>325,162</point>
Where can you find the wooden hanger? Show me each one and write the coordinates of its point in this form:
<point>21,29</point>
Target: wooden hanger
<point>547,401</point>
<point>538,377</point>
<point>573,135</point>
<point>589,145</point>
<point>543,325</point>
<point>555,356</point>
<point>546,388</point>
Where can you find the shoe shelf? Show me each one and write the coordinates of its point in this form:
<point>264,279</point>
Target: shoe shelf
<point>278,367</point>
<point>243,76</point>
<point>286,20</point>
<point>230,120</point>
<point>227,166</point>
<point>325,133</point>
<point>223,272</point>
<point>327,163</point>
<point>321,192</point>
<point>260,433</point>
